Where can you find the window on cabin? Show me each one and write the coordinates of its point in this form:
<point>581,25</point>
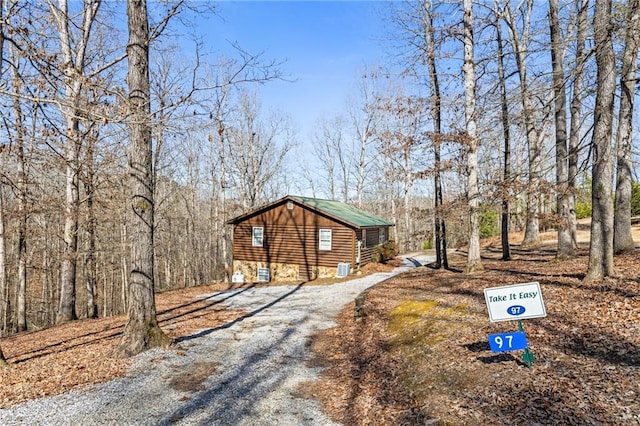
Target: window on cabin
<point>324,242</point>
<point>257,236</point>
<point>382,234</point>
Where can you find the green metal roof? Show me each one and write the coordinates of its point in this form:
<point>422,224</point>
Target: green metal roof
<point>343,212</point>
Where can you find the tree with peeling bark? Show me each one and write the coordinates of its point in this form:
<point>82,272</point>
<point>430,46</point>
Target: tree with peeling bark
<point>468,68</point>
<point>622,237</point>
<point>601,248</point>
<point>141,331</point>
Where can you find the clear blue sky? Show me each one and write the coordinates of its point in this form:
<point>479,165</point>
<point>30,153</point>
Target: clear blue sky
<point>325,46</point>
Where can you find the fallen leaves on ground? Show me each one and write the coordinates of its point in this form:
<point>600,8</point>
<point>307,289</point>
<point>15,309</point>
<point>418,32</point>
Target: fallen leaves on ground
<point>421,355</point>
<point>76,354</point>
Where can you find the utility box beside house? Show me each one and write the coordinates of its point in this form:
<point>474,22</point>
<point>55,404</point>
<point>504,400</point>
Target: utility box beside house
<point>302,239</point>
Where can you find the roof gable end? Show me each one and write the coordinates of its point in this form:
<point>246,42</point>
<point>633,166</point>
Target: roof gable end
<point>337,210</point>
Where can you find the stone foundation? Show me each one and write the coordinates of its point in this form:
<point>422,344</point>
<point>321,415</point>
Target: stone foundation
<point>283,272</point>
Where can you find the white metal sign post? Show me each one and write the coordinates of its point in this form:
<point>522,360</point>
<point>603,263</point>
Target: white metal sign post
<point>514,302</point>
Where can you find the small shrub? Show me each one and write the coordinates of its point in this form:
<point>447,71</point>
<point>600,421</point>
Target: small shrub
<point>583,208</point>
<point>385,252</point>
<point>583,199</point>
<point>427,245</point>
<point>488,222</point>
<point>635,199</point>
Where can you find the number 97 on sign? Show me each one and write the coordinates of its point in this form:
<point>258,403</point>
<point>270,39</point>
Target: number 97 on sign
<point>504,342</point>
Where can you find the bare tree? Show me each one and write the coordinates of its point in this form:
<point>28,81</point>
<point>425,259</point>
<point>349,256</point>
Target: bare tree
<point>564,201</point>
<point>468,68</point>
<point>622,238</point>
<point>142,331</point>
<point>3,258</point>
<point>74,52</point>
<point>506,133</point>
<point>330,146</point>
<point>520,40</point>
<point>219,180</point>
<point>3,237</point>
<point>576,110</point>
<point>362,113</point>
<point>20,135</point>
<point>90,267</point>
<point>399,133</point>
<point>436,115</point>
<point>601,249</point>
<point>259,150</point>
<point>324,140</point>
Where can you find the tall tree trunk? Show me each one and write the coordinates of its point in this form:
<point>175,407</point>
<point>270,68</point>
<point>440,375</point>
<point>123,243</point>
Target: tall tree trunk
<point>3,263</point>
<point>622,238</point>
<point>21,291</point>
<point>67,305</point>
<point>221,220</point>
<point>124,266</point>
<point>365,121</point>
<point>3,241</point>
<point>74,53</point>
<point>601,249</point>
<point>468,68</point>
<point>563,204</point>
<point>45,300</point>
<point>219,177</point>
<point>506,167</point>
<point>436,115</point>
<point>520,43</point>
<point>406,202</point>
<point>90,267</point>
<point>576,113</point>
<point>142,331</point>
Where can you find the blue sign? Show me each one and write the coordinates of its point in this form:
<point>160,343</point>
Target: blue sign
<point>504,342</point>
<point>516,310</point>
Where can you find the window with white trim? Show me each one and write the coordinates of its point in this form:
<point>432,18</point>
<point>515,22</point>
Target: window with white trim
<point>257,236</point>
<point>382,235</point>
<point>324,242</point>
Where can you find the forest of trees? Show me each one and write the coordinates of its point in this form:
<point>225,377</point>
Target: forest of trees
<point>489,117</point>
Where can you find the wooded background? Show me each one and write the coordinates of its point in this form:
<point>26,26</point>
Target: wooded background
<point>490,117</point>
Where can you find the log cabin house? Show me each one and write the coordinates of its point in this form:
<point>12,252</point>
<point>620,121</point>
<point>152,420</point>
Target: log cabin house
<point>301,239</point>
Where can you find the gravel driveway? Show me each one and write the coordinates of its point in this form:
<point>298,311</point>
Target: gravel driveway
<point>245,372</point>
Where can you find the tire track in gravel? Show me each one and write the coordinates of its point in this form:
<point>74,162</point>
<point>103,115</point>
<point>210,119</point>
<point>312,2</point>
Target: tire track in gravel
<point>245,372</point>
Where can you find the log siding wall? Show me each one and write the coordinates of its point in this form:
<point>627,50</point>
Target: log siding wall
<point>291,237</point>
